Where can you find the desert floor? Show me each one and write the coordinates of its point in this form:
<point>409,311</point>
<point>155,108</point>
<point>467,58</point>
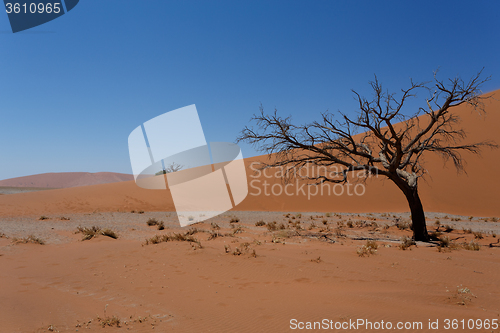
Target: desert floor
<point>229,275</point>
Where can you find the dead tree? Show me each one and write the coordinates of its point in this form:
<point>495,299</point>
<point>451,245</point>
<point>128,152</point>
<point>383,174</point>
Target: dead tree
<point>382,139</point>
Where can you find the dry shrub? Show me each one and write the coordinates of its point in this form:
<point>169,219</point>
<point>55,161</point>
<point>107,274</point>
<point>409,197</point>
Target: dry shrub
<point>271,226</point>
<point>467,231</point>
<point>435,234</point>
<point>478,235</point>
<point>214,226</point>
<point>368,249</point>
<point>185,237</point>
<point>448,228</point>
<point>62,218</point>
<point>161,225</point>
<point>406,243</point>
<point>260,223</point>
<point>471,246</point>
<point>285,233</point>
<point>444,241</point>
<point>192,231</point>
<point>234,219</point>
<point>109,233</point>
<point>446,244</point>
<point>236,230</point>
<point>402,225</point>
<point>152,221</point>
<point>109,321</point>
<point>242,249</point>
<point>214,234</point>
<point>464,295</point>
<point>43,217</point>
<point>30,239</point>
<point>338,232</point>
<point>317,260</point>
<point>94,231</point>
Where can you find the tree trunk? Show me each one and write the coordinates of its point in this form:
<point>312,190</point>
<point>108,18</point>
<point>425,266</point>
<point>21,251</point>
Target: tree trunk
<point>419,226</point>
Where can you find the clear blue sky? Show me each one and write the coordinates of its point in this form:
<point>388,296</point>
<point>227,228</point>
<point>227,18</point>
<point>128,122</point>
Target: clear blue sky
<point>73,89</point>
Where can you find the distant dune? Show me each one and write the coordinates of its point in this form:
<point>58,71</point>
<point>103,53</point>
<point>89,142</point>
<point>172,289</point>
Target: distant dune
<point>66,179</point>
<point>443,190</point>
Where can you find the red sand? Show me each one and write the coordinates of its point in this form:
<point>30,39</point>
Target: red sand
<point>66,179</point>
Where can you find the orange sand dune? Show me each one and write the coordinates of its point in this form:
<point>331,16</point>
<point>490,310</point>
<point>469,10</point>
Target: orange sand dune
<point>474,193</point>
<point>66,179</point>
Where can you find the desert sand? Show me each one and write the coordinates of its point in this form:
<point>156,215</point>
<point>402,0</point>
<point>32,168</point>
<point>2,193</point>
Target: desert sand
<point>234,274</point>
<point>65,179</point>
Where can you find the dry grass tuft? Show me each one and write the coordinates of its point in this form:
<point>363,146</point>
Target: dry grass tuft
<point>272,226</point>
<point>94,231</point>
<point>109,321</point>
<point>463,295</point>
<point>152,221</point>
<point>30,239</point>
<point>109,233</point>
<point>448,228</point>
<point>234,219</point>
<point>43,217</point>
<point>406,243</point>
<point>317,260</point>
<point>478,235</point>
<point>185,237</point>
<point>260,223</point>
<point>62,218</point>
<point>444,241</point>
<point>471,246</point>
<point>236,230</point>
<point>402,225</point>
<point>368,249</point>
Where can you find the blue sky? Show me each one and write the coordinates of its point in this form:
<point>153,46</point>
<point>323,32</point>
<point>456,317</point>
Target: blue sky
<point>73,89</point>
